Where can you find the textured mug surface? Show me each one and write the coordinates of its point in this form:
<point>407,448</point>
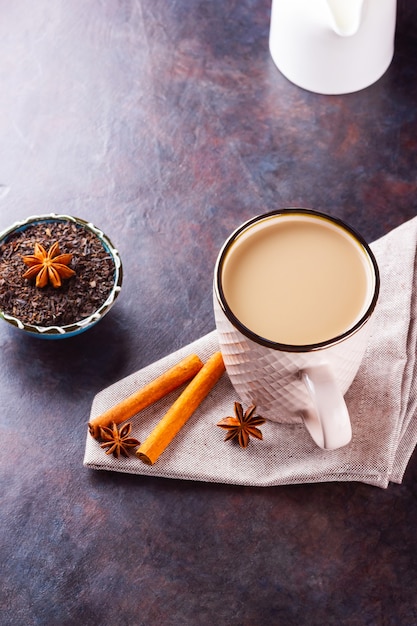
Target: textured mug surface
<point>270,375</point>
<point>270,378</point>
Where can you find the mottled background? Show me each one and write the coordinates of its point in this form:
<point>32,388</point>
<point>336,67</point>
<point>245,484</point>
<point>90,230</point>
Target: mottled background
<point>167,124</point>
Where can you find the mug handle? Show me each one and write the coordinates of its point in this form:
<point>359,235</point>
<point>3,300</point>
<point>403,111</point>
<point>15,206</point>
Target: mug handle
<point>328,422</point>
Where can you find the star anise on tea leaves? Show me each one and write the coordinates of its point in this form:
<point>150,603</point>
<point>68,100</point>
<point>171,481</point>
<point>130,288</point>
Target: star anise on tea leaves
<point>243,426</point>
<point>118,441</point>
<point>48,266</point>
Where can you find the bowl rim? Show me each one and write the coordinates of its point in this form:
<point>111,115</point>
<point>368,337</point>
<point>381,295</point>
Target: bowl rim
<point>56,331</point>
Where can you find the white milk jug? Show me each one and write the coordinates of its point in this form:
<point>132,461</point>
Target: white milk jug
<point>332,46</point>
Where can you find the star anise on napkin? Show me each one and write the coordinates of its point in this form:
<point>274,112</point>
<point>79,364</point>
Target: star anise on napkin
<point>243,426</point>
<point>118,441</point>
<point>48,266</point>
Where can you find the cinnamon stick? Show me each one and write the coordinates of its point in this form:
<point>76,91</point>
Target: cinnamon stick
<point>182,409</point>
<point>173,378</point>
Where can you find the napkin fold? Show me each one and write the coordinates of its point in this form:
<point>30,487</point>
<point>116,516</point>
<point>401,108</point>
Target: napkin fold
<point>382,403</point>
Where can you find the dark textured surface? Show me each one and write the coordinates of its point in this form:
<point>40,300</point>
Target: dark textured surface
<point>166,124</point>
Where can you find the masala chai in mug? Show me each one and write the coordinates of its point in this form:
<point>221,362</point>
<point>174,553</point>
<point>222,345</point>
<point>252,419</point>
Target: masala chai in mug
<point>296,280</point>
<point>293,292</point>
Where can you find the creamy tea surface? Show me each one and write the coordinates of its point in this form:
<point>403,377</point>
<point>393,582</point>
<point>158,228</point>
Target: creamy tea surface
<point>297,279</point>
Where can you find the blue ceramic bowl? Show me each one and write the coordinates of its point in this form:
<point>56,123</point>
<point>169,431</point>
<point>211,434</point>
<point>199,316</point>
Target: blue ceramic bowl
<point>61,332</point>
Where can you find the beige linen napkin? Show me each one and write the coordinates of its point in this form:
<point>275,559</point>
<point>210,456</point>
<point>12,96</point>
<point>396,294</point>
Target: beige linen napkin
<point>382,404</point>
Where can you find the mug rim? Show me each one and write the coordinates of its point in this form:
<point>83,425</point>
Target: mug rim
<point>221,298</point>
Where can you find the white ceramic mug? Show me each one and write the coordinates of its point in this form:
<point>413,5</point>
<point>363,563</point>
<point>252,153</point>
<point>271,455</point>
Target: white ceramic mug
<point>332,46</point>
<point>299,367</point>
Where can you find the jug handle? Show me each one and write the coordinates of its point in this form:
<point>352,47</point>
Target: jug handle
<point>346,16</point>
